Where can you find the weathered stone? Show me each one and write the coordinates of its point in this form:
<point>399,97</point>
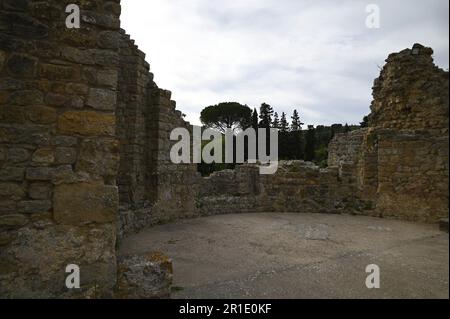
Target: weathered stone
<point>77,55</point>
<point>42,115</point>
<point>12,114</point>
<point>21,65</point>
<point>34,206</point>
<point>65,141</point>
<point>18,5</point>
<point>65,155</point>
<point>101,99</point>
<point>85,202</point>
<point>12,174</point>
<point>39,173</point>
<point>76,88</point>
<point>106,58</point>
<point>99,157</point>
<point>2,60</point>
<point>40,190</point>
<point>64,174</point>
<point>6,238</point>
<point>55,99</point>
<point>42,255</point>
<point>11,191</point>
<point>43,156</point>
<point>15,220</point>
<point>108,40</point>
<point>144,276</point>
<point>59,72</point>
<point>107,77</point>
<point>7,206</point>
<point>86,123</point>
<point>26,97</point>
<point>107,21</point>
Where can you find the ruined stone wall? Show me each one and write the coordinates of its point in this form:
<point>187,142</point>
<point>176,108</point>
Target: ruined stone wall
<point>58,148</point>
<point>411,93</point>
<point>297,186</point>
<point>133,110</point>
<point>174,185</point>
<point>402,161</point>
<point>345,147</point>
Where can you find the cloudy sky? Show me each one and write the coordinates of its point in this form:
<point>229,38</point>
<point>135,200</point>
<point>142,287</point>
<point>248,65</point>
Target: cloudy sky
<point>317,56</point>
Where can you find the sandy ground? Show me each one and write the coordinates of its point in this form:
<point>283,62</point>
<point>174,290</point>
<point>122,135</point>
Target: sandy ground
<point>273,255</point>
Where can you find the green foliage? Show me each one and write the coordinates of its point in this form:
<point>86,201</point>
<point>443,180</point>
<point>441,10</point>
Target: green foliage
<point>321,156</point>
<point>225,115</point>
<point>265,115</point>
<point>310,143</point>
<point>296,124</point>
<point>365,121</point>
<point>276,121</point>
<point>255,119</point>
<point>284,126</point>
<point>293,142</point>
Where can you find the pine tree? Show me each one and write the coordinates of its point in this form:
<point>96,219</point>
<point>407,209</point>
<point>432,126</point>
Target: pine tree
<point>296,124</point>
<point>265,115</point>
<point>255,119</point>
<point>284,126</point>
<point>276,121</point>
<point>346,128</point>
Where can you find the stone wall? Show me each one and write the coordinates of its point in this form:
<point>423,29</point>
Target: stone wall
<point>58,148</point>
<point>401,161</point>
<point>84,155</point>
<point>297,186</point>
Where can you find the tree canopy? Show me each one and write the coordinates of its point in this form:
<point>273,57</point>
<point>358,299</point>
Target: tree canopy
<point>232,115</point>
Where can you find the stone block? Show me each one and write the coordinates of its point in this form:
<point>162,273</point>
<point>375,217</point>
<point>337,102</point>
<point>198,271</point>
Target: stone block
<point>99,157</point>
<point>15,220</point>
<point>145,276</point>
<point>102,99</point>
<point>77,55</point>
<point>12,174</point>
<point>21,65</point>
<point>85,202</point>
<point>41,115</point>
<point>34,206</point>
<point>26,97</point>
<point>39,173</point>
<point>65,155</point>
<point>107,77</point>
<point>43,156</point>
<point>11,191</point>
<point>87,123</point>
<point>58,72</point>
<point>108,40</point>
<point>40,190</point>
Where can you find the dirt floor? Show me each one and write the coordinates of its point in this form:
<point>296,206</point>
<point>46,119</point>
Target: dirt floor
<point>273,255</point>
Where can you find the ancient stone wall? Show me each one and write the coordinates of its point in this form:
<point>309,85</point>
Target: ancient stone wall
<point>84,154</point>
<point>402,159</point>
<point>297,186</point>
<point>58,148</point>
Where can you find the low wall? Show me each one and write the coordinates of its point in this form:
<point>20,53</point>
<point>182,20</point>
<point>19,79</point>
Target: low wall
<point>297,186</point>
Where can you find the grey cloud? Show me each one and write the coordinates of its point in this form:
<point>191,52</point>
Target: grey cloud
<point>316,56</point>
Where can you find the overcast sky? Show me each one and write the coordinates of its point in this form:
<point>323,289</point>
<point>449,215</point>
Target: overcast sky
<point>317,56</point>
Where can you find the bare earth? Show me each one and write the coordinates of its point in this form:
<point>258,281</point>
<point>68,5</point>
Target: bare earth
<point>273,255</point>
